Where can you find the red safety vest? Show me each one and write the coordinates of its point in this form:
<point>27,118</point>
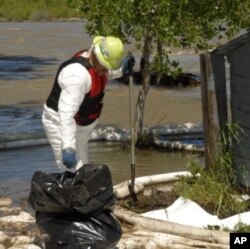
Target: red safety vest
<point>90,108</point>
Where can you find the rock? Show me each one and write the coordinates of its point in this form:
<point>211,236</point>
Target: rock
<point>5,211</point>
<point>4,240</point>
<point>25,247</point>
<point>22,217</point>
<point>21,240</point>
<point>33,247</point>
<point>5,201</point>
<point>18,228</point>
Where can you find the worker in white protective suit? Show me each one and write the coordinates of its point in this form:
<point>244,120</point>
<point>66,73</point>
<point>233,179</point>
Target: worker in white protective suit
<point>74,105</point>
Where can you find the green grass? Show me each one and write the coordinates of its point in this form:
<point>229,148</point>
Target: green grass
<point>37,10</point>
<point>214,195</point>
<point>215,188</point>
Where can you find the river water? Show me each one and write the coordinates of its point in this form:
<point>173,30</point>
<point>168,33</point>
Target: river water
<point>29,55</point>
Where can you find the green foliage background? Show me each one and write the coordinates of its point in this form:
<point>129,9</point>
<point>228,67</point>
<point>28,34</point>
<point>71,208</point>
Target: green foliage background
<point>37,10</point>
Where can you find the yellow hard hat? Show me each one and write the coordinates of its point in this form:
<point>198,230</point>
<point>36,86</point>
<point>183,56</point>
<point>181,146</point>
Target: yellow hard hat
<point>109,51</point>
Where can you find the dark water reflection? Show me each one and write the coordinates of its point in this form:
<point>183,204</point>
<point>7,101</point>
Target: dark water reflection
<point>24,67</point>
<point>20,122</point>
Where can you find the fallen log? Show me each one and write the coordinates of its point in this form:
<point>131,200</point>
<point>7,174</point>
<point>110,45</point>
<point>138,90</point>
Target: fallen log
<point>145,239</point>
<point>154,225</point>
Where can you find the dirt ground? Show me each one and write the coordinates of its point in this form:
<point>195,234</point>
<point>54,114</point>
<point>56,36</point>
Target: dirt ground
<point>144,203</point>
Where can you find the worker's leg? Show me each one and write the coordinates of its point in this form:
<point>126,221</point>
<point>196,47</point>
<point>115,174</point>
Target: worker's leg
<point>83,135</point>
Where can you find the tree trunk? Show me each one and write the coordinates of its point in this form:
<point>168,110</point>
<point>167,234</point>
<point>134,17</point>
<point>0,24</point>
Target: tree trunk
<point>141,99</point>
<point>159,54</point>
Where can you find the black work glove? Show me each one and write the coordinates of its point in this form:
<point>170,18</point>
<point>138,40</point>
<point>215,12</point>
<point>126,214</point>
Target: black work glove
<point>126,62</point>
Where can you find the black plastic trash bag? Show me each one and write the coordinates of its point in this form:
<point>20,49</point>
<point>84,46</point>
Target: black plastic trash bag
<point>89,190</point>
<point>75,231</point>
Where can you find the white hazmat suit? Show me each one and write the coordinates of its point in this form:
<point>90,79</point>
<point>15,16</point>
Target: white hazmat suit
<point>61,129</point>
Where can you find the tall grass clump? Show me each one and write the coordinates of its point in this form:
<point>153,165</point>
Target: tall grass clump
<point>39,10</point>
<point>15,10</point>
<point>215,188</point>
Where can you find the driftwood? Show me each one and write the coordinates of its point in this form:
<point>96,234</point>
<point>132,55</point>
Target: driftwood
<point>137,237</point>
<point>121,190</point>
<point>210,238</point>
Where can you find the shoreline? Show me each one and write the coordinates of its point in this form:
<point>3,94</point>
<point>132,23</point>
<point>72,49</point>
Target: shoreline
<point>70,19</point>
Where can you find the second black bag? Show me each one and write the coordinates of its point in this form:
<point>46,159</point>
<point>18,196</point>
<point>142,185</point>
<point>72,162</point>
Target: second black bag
<point>89,190</point>
<point>75,231</point>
